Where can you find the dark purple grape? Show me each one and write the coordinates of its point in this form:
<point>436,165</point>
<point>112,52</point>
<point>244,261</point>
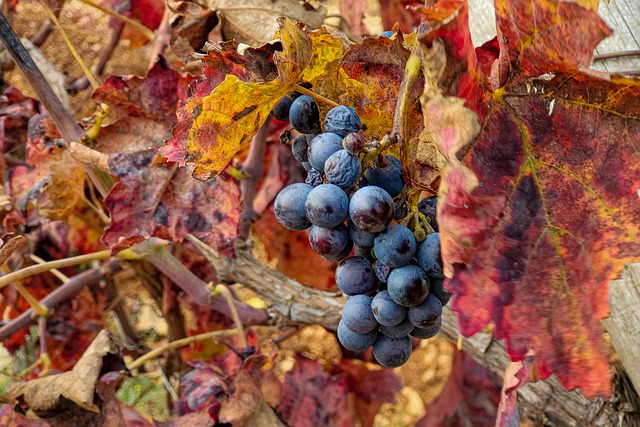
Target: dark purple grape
<point>281,110</point>
<point>427,313</point>
<point>304,115</point>
<point>429,332</point>
<point>354,142</point>
<point>322,147</point>
<point>388,176</point>
<point>428,208</point>
<point>343,254</point>
<point>408,285</point>
<point>299,148</point>
<point>402,329</point>
<point>386,311</point>
<point>342,120</point>
<point>362,238</point>
<point>314,178</point>
<point>327,205</point>
<point>329,242</point>
<point>382,271</point>
<point>394,246</point>
<point>371,209</point>
<point>428,256</point>
<point>354,341</point>
<point>354,276</point>
<point>392,352</point>
<point>436,287</point>
<point>357,314</point>
<point>289,206</point>
<point>342,169</point>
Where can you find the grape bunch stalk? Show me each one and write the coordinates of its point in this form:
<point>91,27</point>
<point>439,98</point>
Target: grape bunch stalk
<point>356,215</point>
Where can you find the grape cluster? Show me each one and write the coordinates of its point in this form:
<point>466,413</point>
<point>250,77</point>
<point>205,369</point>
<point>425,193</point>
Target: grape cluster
<point>394,282</point>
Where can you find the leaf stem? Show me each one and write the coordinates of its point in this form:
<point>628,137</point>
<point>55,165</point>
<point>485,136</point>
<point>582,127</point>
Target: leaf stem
<point>33,302</point>
<point>226,294</point>
<point>178,344</point>
<point>59,263</point>
<point>316,96</point>
<point>87,72</point>
<point>63,278</point>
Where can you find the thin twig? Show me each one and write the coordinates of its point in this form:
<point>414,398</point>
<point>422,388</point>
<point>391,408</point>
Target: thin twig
<point>87,72</point>
<point>252,168</point>
<point>63,278</point>
<point>226,294</point>
<point>163,37</point>
<point>178,344</point>
<point>611,55</point>
<point>33,302</point>
<point>316,96</point>
<point>58,263</point>
<point>60,294</point>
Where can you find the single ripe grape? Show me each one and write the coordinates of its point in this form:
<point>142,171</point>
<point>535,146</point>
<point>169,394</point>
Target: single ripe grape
<point>289,206</point>
<point>436,287</point>
<point>429,332</point>
<point>357,314</point>
<point>354,341</point>
<point>392,352</point>
<point>327,205</point>
<point>355,276</point>
<point>428,256</point>
<point>371,209</point>
<point>342,120</point>
<point>394,246</point>
<point>342,169</point>
<point>408,285</point>
<point>330,243</point>
<point>299,148</point>
<point>281,110</point>
<point>427,313</point>
<point>402,329</point>
<point>387,176</point>
<point>386,311</point>
<point>428,207</point>
<point>304,115</point>
<point>354,142</point>
<point>321,147</point>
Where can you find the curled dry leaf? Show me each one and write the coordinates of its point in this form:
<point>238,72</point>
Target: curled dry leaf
<point>252,22</point>
<point>10,244</point>
<point>77,385</point>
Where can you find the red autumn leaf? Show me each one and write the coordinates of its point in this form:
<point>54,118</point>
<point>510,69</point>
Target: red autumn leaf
<point>469,397</point>
<point>164,201</point>
<point>254,64</point>
<point>313,397</point>
<point>215,125</point>
<point>199,389</point>
<point>541,210</point>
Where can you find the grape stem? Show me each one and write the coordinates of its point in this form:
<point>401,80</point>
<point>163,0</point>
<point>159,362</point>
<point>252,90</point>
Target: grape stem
<point>180,343</point>
<point>316,96</point>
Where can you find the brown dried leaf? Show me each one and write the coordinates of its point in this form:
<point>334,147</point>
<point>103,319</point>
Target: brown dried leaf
<point>77,385</point>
